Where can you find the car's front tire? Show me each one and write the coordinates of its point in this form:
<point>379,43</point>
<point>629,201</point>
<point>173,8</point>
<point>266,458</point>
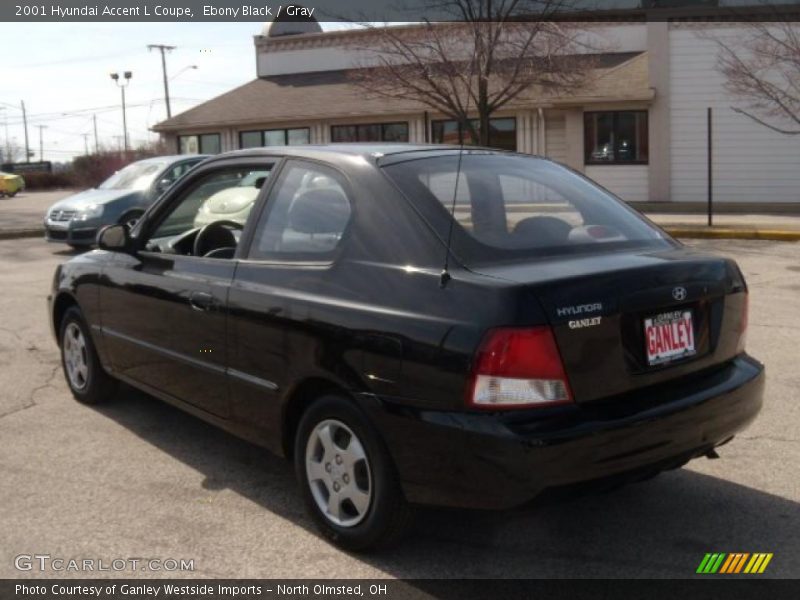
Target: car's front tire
<point>86,378</point>
<point>348,481</point>
<point>130,218</point>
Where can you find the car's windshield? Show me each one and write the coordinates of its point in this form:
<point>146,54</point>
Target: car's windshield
<point>137,176</point>
<point>510,206</point>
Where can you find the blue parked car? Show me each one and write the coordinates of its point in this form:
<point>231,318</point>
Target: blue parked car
<point>122,198</point>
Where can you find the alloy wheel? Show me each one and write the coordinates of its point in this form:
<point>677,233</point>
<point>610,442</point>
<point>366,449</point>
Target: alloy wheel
<point>76,358</point>
<point>338,473</point>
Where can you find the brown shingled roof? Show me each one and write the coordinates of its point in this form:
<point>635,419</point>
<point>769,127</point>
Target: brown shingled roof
<point>332,94</point>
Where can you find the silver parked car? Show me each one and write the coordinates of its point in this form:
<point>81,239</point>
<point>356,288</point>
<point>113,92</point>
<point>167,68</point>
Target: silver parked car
<point>122,198</point>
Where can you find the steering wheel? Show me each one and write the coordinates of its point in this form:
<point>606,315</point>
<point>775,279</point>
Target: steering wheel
<point>214,236</point>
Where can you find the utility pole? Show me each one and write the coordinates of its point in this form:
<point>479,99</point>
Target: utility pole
<point>41,145</point>
<point>96,144</point>
<point>6,156</point>
<point>25,123</point>
<point>125,82</point>
<point>85,144</point>
<point>709,165</point>
<point>164,49</point>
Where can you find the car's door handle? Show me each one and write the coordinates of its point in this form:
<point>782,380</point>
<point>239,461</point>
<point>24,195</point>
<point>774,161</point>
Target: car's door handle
<point>201,301</point>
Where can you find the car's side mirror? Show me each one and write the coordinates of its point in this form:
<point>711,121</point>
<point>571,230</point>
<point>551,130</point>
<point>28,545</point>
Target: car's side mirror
<point>163,185</point>
<point>114,238</point>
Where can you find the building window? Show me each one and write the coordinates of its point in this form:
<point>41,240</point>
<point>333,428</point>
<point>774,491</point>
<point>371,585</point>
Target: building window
<point>298,137</point>
<point>615,138</point>
<point>275,137</point>
<point>206,143</point>
<point>251,139</point>
<point>370,132</point>
<point>502,133</point>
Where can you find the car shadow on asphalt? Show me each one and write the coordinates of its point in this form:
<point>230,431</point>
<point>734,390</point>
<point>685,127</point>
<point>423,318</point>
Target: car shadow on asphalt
<point>659,528</point>
<point>70,252</point>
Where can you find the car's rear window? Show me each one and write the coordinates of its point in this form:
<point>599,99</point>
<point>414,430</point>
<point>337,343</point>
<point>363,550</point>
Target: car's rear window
<point>508,206</point>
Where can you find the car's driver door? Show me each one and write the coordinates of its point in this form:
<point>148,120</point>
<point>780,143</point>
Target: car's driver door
<point>164,307</point>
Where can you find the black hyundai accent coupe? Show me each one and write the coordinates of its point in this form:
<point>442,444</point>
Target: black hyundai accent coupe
<point>415,325</point>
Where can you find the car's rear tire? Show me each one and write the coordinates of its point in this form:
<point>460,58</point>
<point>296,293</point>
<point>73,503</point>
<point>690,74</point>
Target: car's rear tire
<point>348,481</point>
<point>86,378</point>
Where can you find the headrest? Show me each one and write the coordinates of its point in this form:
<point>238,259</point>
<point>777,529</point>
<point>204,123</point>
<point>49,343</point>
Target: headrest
<point>319,211</point>
<point>543,230</point>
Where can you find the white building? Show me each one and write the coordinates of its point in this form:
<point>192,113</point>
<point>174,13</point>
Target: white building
<point>639,128</point>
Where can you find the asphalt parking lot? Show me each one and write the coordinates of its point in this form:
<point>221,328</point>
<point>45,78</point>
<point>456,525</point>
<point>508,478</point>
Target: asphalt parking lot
<point>26,210</point>
<point>137,478</point>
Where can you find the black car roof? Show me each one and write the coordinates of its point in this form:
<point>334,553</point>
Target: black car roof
<point>373,152</point>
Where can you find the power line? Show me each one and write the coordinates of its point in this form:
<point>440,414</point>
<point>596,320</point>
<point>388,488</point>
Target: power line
<point>78,59</point>
<point>47,117</point>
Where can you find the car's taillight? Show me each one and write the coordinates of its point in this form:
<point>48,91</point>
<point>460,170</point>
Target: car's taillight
<point>743,323</point>
<point>518,368</point>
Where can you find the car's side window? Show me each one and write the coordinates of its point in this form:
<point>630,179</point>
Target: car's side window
<point>305,217</point>
<point>226,195</point>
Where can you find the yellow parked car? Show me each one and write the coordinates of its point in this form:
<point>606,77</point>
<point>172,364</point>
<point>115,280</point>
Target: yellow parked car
<point>10,184</point>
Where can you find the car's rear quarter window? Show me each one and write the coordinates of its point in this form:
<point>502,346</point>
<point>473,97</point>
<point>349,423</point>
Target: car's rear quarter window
<point>509,206</point>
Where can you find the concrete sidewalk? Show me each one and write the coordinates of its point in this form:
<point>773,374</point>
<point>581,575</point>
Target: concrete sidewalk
<point>781,227</point>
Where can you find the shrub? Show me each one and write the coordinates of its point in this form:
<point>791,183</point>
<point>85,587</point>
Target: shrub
<point>48,181</point>
<point>91,170</point>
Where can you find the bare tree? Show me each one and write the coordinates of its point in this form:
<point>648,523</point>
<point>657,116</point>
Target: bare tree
<point>480,62</point>
<point>762,68</point>
<point>11,151</point>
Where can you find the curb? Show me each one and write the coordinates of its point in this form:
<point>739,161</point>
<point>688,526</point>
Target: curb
<point>13,234</point>
<point>722,233</point>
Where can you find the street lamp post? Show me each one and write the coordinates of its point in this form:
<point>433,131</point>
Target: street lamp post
<point>183,70</point>
<point>122,84</point>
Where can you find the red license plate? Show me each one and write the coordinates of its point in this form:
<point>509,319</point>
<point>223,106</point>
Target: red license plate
<point>669,336</point>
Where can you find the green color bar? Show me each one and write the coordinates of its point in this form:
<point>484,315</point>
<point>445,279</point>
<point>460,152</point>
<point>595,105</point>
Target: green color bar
<point>701,568</point>
<point>718,563</point>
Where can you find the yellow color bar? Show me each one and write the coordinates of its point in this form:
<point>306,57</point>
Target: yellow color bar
<point>765,563</point>
<point>749,567</point>
<point>756,565</point>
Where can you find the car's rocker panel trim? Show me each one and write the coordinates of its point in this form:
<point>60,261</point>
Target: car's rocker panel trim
<point>252,379</point>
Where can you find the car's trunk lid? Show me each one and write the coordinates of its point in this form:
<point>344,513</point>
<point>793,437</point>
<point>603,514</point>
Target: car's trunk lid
<point>600,307</point>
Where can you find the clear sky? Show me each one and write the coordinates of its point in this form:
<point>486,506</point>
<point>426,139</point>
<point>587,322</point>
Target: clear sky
<point>64,68</point>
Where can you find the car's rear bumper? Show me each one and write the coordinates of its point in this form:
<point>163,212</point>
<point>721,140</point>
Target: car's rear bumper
<point>505,460</point>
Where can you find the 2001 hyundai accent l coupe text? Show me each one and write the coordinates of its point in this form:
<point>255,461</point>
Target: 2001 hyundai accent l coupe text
<point>416,325</point>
